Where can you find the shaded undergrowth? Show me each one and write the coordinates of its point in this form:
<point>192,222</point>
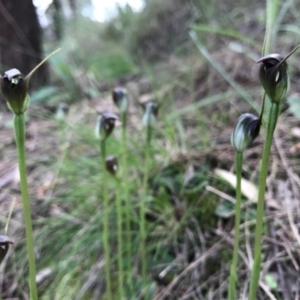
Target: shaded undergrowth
<point>190,210</point>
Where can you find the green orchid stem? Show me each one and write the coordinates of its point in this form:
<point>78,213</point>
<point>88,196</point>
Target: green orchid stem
<point>233,273</point>
<point>273,116</point>
<point>19,127</point>
<point>106,221</point>
<point>143,206</point>
<point>120,239</point>
<point>127,202</point>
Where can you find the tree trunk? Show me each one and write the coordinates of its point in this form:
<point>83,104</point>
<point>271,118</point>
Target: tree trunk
<point>58,19</point>
<point>73,6</point>
<point>21,39</point>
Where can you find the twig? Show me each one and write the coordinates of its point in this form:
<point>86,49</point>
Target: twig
<point>248,264</point>
<point>162,295</point>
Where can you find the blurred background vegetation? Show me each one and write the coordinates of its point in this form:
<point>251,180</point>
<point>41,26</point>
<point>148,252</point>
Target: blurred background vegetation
<point>197,60</point>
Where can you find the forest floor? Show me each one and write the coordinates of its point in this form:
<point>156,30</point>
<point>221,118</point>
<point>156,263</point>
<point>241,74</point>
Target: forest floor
<point>281,246</point>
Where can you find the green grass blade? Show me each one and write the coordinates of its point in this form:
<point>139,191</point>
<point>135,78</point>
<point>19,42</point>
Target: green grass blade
<point>226,32</point>
<point>222,72</point>
<point>272,7</point>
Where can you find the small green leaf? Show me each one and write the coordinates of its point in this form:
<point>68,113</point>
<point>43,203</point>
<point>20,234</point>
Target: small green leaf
<point>224,210</point>
<point>271,282</point>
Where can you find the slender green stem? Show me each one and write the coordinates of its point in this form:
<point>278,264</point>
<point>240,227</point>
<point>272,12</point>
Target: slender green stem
<point>19,126</point>
<point>271,12</point>
<point>127,202</point>
<point>120,240</point>
<point>274,112</point>
<point>143,206</point>
<point>233,273</point>
<point>106,221</point>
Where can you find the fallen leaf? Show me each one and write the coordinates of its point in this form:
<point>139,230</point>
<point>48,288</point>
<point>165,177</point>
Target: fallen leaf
<point>249,190</point>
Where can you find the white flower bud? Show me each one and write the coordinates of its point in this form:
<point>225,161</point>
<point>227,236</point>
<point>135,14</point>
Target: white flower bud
<point>150,114</point>
<point>245,131</point>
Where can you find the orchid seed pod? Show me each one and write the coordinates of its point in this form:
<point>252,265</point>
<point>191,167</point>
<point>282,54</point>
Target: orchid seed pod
<point>150,114</point>
<point>120,99</point>
<point>111,164</point>
<point>105,125</point>
<point>273,75</point>
<point>5,241</point>
<point>245,131</point>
